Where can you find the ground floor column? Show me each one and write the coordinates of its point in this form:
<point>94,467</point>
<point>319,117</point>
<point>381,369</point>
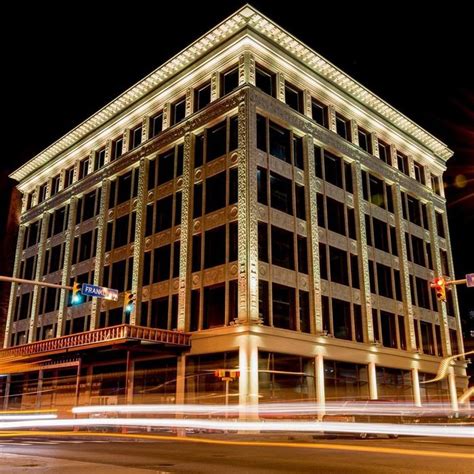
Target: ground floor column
<point>453,394</point>
<point>39,390</point>
<point>416,387</point>
<point>248,380</point>
<point>372,375</point>
<point>6,394</point>
<point>320,392</point>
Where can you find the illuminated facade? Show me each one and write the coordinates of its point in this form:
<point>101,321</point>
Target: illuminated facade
<point>257,198</point>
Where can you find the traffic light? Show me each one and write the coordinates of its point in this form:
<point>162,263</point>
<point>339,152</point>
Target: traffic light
<point>439,285</point>
<point>129,302</point>
<point>76,295</point>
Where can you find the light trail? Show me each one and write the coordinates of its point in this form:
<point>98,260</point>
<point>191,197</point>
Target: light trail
<point>26,417</point>
<point>275,409</point>
<point>448,431</point>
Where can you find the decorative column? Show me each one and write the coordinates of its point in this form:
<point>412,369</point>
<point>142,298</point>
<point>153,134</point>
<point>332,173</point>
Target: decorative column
<point>374,142</point>
<point>332,118</point>
<point>215,86</point>
<point>415,380</point>
<point>189,101</point>
<point>364,277</point>
<point>313,236</point>
<point>99,256</point>
<point>453,294</point>
<point>404,271</point>
<point>14,286</point>
<point>354,132</point>
<point>69,239</point>
<point>246,69</point>
<point>186,234</point>
<point>435,254</point>
<point>393,160</point>
<point>248,380</point>
<point>280,86</point>
<point>247,211</point>
<point>372,376</point>
<point>166,115</point>
<point>308,109</point>
<point>138,246</point>
<point>145,127</point>
<point>39,271</point>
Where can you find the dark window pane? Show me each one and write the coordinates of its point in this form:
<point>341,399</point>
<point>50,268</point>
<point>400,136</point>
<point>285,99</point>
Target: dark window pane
<point>202,96</point>
<point>333,169</point>
<point>178,111</point>
<point>166,167</point>
<point>294,97</point>
<point>215,192</point>
<point>280,189</point>
<point>214,247</point>
<point>341,317</point>
<point>216,141</point>
<point>282,248</point>
<point>214,305</point>
<point>280,142</point>
<point>338,262</point>
<point>163,213</point>
<point>230,80</point>
<point>265,80</point>
<point>319,112</point>
<point>283,307</point>
<point>262,185</point>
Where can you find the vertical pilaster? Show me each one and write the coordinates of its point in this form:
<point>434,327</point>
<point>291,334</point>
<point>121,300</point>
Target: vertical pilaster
<point>453,294</point>
<point>39,389</point>
<point>372,376</point>
<point>374,142</point>
<point>180,379</point>
<point>415,380</point>
<point>313,237</point>
<point>307,103</point>
<point>138,246</point>
<point>69,239</point>
<point>404,270</point>
<point>189,101</point>
<point>145,127</point>
<point>436,258</point>
<point>90,168</point>
<point>246,69</point>
<point>99,257</point>
<point>280,86</point>
<point>39,271</point>
<point>393,160</point>
<point>126,141</point>
<point>186,233</point>
<point>332,118</point>
<point>166,115</point>
<point>354,132</point>
<point>108,152</point>
<point>14,286</point>
<point>215,86</point>
<point>364,276</point>
<point>247,212</point>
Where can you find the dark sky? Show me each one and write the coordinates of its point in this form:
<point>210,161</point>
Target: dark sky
<point>61,66</point>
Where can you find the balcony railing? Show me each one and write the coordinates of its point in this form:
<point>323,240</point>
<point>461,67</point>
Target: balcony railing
<point>99,337</point>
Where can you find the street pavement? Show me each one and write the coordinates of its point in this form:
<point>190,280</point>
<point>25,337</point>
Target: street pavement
<point>87,454</point>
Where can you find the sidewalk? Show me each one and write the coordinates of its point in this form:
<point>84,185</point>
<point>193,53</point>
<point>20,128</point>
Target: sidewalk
<point>21,464</point>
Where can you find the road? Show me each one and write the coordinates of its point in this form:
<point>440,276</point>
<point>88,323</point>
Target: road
<point>76,454</point>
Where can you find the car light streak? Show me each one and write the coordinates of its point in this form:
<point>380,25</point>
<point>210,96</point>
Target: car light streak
<point>276,409</point>
<point>235,425</point>
<point>27,417</point>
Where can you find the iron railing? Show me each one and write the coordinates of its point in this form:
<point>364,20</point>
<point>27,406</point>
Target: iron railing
<point>122,332</point>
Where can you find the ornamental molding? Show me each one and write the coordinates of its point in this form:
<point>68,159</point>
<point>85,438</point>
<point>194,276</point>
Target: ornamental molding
<point>249,19</point>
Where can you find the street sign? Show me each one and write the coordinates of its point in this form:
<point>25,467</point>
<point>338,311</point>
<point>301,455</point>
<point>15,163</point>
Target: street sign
<point>99,292</point>
<point>470,279</point>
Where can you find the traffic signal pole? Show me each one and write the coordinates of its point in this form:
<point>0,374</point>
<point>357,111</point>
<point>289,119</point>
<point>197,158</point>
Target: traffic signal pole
<point>34,282</point>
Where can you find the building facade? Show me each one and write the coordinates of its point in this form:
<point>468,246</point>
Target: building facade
<point>270,214</point>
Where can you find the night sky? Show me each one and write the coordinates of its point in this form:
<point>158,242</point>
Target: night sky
<point>61,66</point>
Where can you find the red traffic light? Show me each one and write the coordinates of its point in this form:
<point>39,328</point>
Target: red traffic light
<point>439,285</point>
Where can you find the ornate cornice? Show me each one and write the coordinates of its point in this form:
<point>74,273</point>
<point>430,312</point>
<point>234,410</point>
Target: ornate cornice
<point>246,17</point>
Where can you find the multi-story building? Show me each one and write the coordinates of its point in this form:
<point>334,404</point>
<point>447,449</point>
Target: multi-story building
<point>270,214</point>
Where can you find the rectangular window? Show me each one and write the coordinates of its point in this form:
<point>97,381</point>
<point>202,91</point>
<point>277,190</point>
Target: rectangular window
<point>55,185</point>
<point>262,242</point>
<point>99,159</point>
<point>294,97</point>
<point>280,193</point>
<point>262,186</point>
<point>343,127</point>
<point>338,263</point>
<point>319,113</point>
<point>202,96</point>
<point>402,161</point>
<point>166,167</point>
<point>156,124</point>
<point>164,213</point>
<point>280,142</point>
<point>304,312</point>
<point>265,80</point>
<point>282,248</point>
<point>298,152</point>
<point>341,316</point>
<point>384,152</point>
<point>333,169</point>
<point>117,148</point>
<point>84,168</point>
<point>283,307</point>
<point>364,140</point>
<point>178,111</point>
<point>215,192</point>
<point>69,176</point>
<point>419,173</point>
<point>215,243</point>
<point>435,184</point>
<point>389,331</point>
<point>216,141</point>
<point>135,137</point>
<point>161,263</point>
<point>230,80</point>
<point>335,212</point>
